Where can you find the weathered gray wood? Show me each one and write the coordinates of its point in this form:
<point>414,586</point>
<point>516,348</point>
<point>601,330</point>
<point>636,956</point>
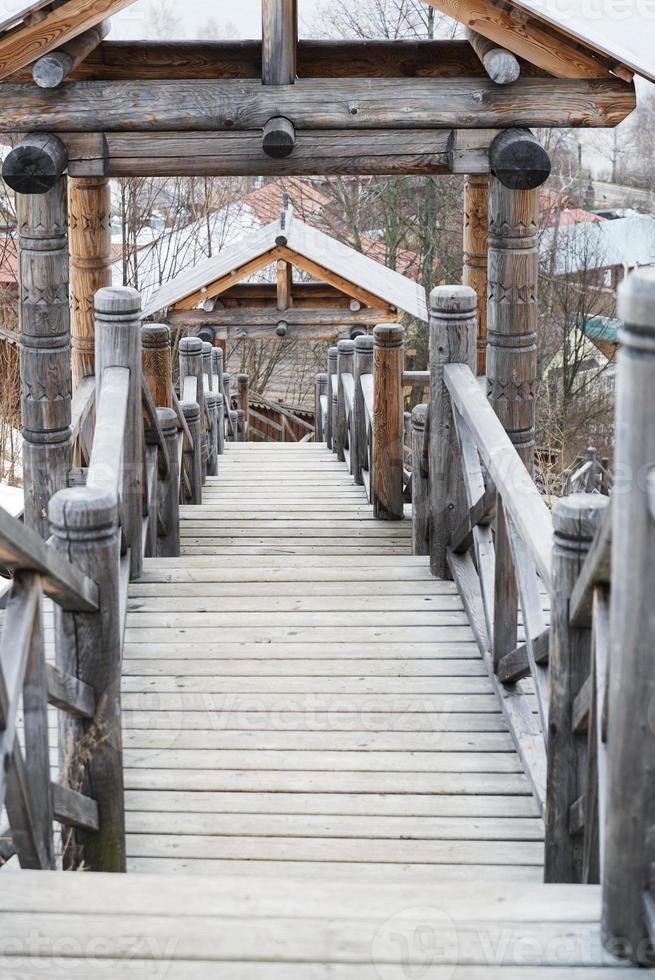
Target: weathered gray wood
<point>74,809</point>
<point>36,164</point>
<point>595,571</point>
<point>23,550</point>
<point>53,68</point>
<point>243,398</point>
<point>46,384</point>
<point>279,38</point>
<point>453,325</point>
<point>575,521</point>
<point>106,463</point>
<point>387,462</point>
<point>207,363</point>
<point>191,366</point>
<point>168,544</point>
<point>359,430</point>
<point>279,137</point>
<point>88,646</point>
<point>212,403</point>
<point>320,393</point>
<point>631,800</point>
<point>70,694</point>
<point>420,481</point>
<point>118,344</point>
<point>501,65</point>
<point>345,365</point>
<point>330,435</point>
<point>518,160</point>
<point>516,665</point>
<point>511,362</point>
<point>193,456</point>
<point>398,103</point>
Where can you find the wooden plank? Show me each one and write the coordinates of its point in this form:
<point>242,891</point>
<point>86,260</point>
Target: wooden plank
<point>595,571</point>
<point>244,104</point>
<point>74,809</point>
<point>70,694</point>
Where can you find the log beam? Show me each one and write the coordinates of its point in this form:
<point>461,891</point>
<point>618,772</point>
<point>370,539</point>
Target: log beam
<point>279,36</point>
<point>53,68</point>
<point>36,164</point>
<point>236,324</point>
<point>501,65</point>
<point>518,160</point>
<point>351,104</point>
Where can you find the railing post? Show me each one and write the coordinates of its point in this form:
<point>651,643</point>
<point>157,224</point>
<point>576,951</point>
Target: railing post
<point>88,646</point>
<point>156,346</point>
<point>359,448</point>
<point>168,545</point>
<point>207,364</point>
<point>217,368</point>
<point>191,412</point>
<point>320,390</point>
<point>388,469</point>
<point>420,483</point>
<point>240,425</point>
<point>191,366</point>
<point>630,844</point>
<point>453,324</point>
<point>212,400</point>
<point>220,425</point>
<point>331,385</point>
<point>511,362</point>
<point>118,344</point>
<point>345,365</point>
<point>476,221</point>
<point>575,522</point>
<point>45,358</point>
<point>244,398</point>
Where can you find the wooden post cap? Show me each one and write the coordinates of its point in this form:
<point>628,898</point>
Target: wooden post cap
<point>36,164</point>
<point>191,346</point>
<point>217,355</point>
<point>636,307</point>
<point>207,348</point>
<point>453,300</point>
<point>167,421</point>
<point>389,335</point>
<point>219,402</point>
<point>242,379</point>
<point>419,417</point>
<point>191,411</point>
<point>364,344</point>
<point>321,379</point>
<point>332,353</point>
<point>226,379</point>
<point>211,398</point>
<point>117,302</point>
<point>518,160</point>
<point>85,510</point>
<point>576,518</point>
<point>155,336</point>
<point>345,347</point>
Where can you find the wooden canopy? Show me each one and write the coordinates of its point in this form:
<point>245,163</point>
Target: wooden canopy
<point>360,291</point>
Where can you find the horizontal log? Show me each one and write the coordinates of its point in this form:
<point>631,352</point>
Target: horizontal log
<point>70,694</point>
<point>35,165</point>
<point>74,809</point>
<point>161,60</point>
<point>51,69</point>
<point>279,137</point>
<point>166,154</point>
<point>347,103</point>
<point>237,324</point>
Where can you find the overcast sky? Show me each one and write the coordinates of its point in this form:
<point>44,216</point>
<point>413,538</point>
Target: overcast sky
<point>243,19</point>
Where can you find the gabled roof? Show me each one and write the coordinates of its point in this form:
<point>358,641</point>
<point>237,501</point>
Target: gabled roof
<point>566,39</point>
<point>306,247</point>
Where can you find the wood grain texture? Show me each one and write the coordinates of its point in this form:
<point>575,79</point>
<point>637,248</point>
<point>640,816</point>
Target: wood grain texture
<point>350,104</point>
<point>387,462</point>
<point>476,221</point>
<point>89,222</point>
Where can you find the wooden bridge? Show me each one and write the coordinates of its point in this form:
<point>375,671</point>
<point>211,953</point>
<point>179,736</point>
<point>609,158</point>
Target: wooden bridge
<point>315,766</point>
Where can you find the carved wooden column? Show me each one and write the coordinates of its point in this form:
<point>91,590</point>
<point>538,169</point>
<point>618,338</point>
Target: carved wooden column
<point>511,360</point>
<point>476,208</point>
<point>45,368</point>
<point>89,205</point>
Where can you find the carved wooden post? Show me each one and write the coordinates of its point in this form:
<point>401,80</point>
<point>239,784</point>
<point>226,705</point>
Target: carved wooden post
<point>88,646</point>
<point>388,469</point>
<point>575,522</point>
<point>89,204</point>
<point>211,400</point>
<point>244,398</point>
<point>359,449</point>
<point>453,322</point>
<point>476,208</point>
<point>191,366</point>
<point>320,390</point>
<point>168,544</point>
<point>511,362</point>
<point>156,345</point>
<point>631,799</point>
<point>44,350</point>
<point>420,483</point>
<point>118,344</point>
<point>331,385</point>
<point>191,412</point>
<point>345,365</point>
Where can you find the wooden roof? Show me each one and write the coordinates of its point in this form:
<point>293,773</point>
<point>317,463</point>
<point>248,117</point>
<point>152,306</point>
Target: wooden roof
<point>562,38</point>
<point>307,248</point>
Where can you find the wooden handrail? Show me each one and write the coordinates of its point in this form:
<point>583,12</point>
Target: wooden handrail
<point>106,463</point>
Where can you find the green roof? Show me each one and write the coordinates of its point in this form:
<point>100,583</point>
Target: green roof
<point>602,328</point>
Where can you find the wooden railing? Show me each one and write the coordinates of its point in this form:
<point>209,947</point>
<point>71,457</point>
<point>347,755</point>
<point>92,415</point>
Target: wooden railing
<point>590,475</point>
<point>138,451</point>
<point>563,621</point>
